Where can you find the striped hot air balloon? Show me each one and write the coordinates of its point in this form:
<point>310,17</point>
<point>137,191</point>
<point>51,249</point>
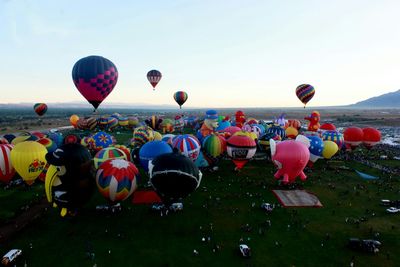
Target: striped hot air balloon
<point>7,171</point>
<point>180,98</point>
<point>40,108</point>
<point>154,76</point>
<point>142,135</point>
<point>188,145</point>
<point>304,93</point>
<point>214,147</point>
<point>116,179</point>
<point>277,130</point>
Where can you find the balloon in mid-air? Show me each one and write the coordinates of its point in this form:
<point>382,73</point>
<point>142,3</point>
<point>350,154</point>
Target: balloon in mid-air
<point>116,179</point>
<point>28,159</point>
<point>305,92</point>
<point>180,98</point>
<point>95,77</point>
<point>154,76</point>
<point>173,176</point>
<point>7,171</point>
<point>40,108</point>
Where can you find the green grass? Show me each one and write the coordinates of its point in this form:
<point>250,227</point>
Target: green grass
<point>139,237</point>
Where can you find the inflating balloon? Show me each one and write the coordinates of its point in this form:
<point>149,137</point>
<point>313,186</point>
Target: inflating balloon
<point>28,159</point>
<point>353,137</point>
<point>73,120</point>
<point>371,137</point>
<point>291,157</point>
<point>328,127</point>
<point>72,184</point>
<point>102,140</point>
<point>154,76</point>
<point>151,150</point>
<point>154,122</point>
<point>116,179</point>
<point>188,145</point>
<point>241,148</point>
<point>173,176</point>
<point>95,77</point>
<point>180,98</point>
<point>40,108</point>
<point>304,93</point>
<point>7,171</point>
<point>330,149</point>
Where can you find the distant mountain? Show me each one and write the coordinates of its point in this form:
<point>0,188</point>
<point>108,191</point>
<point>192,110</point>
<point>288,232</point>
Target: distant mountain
<point>389,100</point>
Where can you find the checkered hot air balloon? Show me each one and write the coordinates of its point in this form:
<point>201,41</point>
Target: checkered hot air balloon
<point>95,77</point>
<point>40,108</point>
<point>116,179</point>
<point>7,171</point>
<point>154,76</point>
<point>305,92</point>
<point>188,145</point>
<point>180,98</point>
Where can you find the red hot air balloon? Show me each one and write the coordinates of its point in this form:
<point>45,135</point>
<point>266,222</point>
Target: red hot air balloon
<point>95,77</point>
<point>180,98</point>
<point>154,76</point>
<point>353,137</point>
<point>40,108</point>
<point>241,149</point>
<point>371,137</point>
<point>7,171</point>
<point>328,127</point>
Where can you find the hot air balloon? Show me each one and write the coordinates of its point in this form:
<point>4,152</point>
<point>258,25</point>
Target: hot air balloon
<point>49,144</point>
<point>264,140</point>
<point>328,127</point>
<point>173,176</point>
<point>316,148</point>
<point>112,123</point>
<point>154,122</point>
<point>116,179</point>
<point>102,140</point>
<point>72,139</point>
<point>142,135</point>
<point>73,120</point>
<point>304,93</point>
<point>353,137</point>
<point>293,123</point>
<point>330,149</point>
<point>240,149</point>
<point>126,151</point>
<point>108,153</point>
<point>180,98</point>
<point>133,122</point>
<point>371,137</point>
<point>28,159</point>
<point>188,145</point>
<point>69,181</point>
<point>334,136</point>
<point>40,108</point>
<point>240,118</point>
<point>151,150</point>
<point>277,130</point>
<point>7,171</point>
<point>214,147</point>
<point>154,76</point>
<point>95,77</point>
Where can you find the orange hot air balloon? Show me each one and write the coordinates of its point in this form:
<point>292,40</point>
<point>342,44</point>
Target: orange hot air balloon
<point>74,120</point>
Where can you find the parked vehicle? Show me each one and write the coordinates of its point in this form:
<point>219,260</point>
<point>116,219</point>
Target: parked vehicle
<point>11,256</point>
<point>392,210</point>
<point>245,250</point>
<point>367,245</point>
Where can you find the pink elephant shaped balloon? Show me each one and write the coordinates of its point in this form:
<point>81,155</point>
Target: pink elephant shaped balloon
<point>291,157</point>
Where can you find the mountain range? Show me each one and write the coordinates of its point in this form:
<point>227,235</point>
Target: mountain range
<point>389,100</point>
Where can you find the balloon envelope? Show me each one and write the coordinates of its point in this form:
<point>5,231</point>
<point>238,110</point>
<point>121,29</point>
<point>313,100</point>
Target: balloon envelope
<point>371,137</point>
<point>95,77</point>
<point>40,108</point>
<point>154,76</point>
<point>305,92</point>
<point>116,179</point>
<point>150,150</point>
<point>180,98</point>
<point>7,171</point>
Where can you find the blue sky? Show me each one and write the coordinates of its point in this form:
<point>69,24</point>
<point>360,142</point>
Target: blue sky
<point>222,53</point>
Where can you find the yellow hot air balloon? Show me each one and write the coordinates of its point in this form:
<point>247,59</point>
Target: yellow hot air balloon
<point>28,159</point>
<point>74,120</point>
<point>157,135</point>
<point>252,135</point>
<point>330,149</point>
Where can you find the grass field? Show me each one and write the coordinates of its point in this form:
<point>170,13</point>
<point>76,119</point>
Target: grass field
<point>224,203</point>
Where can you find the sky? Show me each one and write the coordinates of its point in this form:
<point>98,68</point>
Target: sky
<point>223,53</point>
